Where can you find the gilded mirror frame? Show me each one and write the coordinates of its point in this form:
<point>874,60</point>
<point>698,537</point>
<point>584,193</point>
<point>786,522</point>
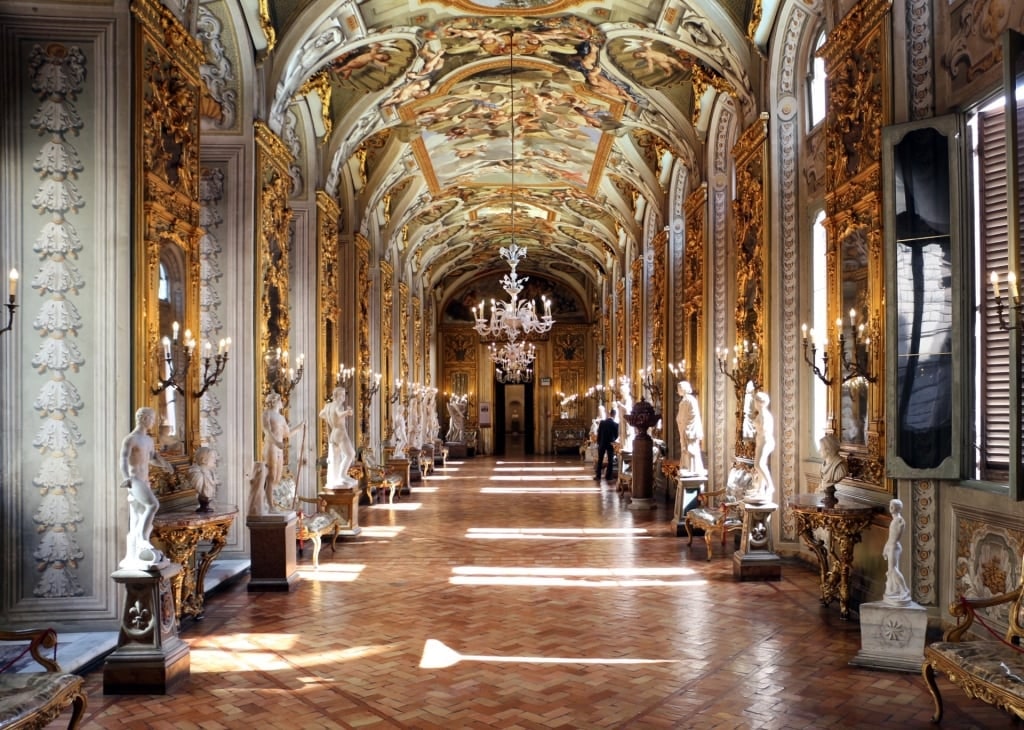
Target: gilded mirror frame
<point>166,230</point>
<point>859,105</point>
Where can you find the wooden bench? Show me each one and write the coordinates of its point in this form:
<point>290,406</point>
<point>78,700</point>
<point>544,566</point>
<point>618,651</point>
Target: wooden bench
<point>35,699</point>
<point>986,669</point>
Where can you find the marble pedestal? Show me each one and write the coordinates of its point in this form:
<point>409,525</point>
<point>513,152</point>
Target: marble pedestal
<point>892,636</point>
<point>403,469</point>
<point>272,547</point>
<point>642,468</point>
<point>150,657</point>
<point>756,558</point>
<point>415,475</point>
<point>457,449</point>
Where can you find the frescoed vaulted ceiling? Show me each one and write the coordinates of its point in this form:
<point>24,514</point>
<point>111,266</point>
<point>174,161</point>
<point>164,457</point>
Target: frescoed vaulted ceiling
<point>453,126</point>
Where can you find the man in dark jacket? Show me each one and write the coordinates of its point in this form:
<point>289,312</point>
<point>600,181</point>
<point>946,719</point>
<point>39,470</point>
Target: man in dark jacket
<point>607,432</point>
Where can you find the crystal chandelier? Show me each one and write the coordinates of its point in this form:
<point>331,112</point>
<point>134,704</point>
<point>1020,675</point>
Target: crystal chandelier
<point>510,322</point>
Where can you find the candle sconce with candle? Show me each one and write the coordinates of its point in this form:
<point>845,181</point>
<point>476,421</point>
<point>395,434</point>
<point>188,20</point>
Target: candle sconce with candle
<point>370,388</point>
<point>282,378</point>
<point>216,362</point>
<point>650,382</point>
<point>12,292</point>
<point>811,343</point>
<point>746,364</point>
<point>855,356</point>
<point>176,361</point>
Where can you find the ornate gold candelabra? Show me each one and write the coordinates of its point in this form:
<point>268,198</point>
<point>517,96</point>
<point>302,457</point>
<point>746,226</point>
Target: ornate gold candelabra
<point>213,365</point>
<point>370,388</point>
<point>651,383</point>
<point>855,357</point>
<point>746,364</point>
<point>811,343</point>
<point>12,290</point>
<point>176,361</point>
<point>282,377</point>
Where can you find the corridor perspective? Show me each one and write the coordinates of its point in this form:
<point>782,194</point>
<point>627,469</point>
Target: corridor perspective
<point>524,594</point>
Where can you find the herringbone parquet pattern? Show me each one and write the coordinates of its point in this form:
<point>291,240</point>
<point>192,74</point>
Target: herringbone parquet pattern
<point>526,595</point>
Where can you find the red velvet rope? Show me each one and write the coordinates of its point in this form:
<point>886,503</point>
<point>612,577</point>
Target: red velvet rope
<point>45,635</point>
<point>977,617</point>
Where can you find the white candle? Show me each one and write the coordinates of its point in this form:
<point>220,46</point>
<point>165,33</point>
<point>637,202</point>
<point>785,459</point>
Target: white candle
<point>994,278</point>
<point>167,347</point>
<point>1011,281</point>
<point>174,331</point>
<point>803,328</point>
<point>12,284</point>
<point>853,317</point>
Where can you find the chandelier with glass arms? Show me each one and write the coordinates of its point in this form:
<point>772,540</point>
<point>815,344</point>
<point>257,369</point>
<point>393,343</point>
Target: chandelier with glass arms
<point>514,320</point>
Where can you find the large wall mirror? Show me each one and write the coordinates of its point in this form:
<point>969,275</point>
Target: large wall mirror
<point>922,203</point>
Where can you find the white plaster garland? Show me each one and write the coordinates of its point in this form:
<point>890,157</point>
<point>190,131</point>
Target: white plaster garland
<point>58,73</point>
<point>211,326</point>
<point>218,74</point>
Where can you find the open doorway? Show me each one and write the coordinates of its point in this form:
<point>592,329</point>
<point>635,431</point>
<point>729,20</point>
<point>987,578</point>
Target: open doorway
<point>513,420</point>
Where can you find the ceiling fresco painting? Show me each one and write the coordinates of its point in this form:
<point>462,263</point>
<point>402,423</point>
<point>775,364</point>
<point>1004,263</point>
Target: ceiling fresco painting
<point>462,125</point>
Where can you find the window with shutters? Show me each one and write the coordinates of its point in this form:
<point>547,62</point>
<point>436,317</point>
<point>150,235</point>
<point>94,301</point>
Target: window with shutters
<point>991,254</point>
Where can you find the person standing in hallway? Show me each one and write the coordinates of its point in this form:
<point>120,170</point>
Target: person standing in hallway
<point>607,433</point>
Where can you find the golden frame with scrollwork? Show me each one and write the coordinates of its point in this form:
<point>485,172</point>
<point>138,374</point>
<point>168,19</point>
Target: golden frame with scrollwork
<point>329,315</point>
<point>856,58</point>
<point>693,286</point>
<point>168,93</point>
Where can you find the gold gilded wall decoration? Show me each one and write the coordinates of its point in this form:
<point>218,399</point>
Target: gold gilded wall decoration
<point>637,331</point>
<point>403,330</point>
<point>620,327</point>
<point>364,290</point>
<point>417,340</point>
<point>274,242</point>
<point>387,308</point>
<point>329,315</point>
<point>166,226</point>
<point>693,285</point>
<point>858,108</point>
<point>658,295</point>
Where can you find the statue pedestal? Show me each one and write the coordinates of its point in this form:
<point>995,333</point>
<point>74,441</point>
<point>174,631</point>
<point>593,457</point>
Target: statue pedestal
<point>150,657</point>
<point>457,449</point>
<point>272,547</point>
<point>756,558</point>
<point>892,636</point>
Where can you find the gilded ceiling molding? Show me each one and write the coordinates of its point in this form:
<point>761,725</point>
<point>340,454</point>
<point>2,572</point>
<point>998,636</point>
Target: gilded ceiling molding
<point>320,84</point>
<point>267,25</point>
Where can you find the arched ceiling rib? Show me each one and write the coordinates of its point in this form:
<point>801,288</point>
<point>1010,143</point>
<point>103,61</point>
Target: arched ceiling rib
<point>464,126</point>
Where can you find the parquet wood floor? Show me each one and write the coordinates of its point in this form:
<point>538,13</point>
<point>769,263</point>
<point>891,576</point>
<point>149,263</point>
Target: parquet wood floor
<point>526,595</point>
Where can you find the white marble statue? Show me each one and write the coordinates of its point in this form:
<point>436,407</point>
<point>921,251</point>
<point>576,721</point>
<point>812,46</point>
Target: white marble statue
<point>340,451</point>
<point>412,419</point>
<point>748,430</point>
<point>833,466</point>
<point>623,407</point>
<point>202,476</point>
<point>762,488</point>
<point>433,424</point>
<point>276,433</point>
<point>260,502</point>
<point>399,433</point>
<point>138,452</point>
<point>896,590</point>
<point>457,423</point>
<point>691,430</point>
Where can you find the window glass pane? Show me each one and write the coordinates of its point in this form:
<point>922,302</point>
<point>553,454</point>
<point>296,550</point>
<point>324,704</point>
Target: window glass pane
<point>816,85</point>
<point>820,322</point>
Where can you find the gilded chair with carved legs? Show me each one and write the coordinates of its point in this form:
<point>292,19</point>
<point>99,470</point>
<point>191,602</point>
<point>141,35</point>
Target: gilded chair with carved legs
<point>377,479</point>
<point>719,512</point>
<point>313,522</point>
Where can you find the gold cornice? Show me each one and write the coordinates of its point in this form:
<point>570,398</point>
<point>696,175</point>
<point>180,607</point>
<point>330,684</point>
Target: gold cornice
<point>272,146</point>
<point>164,28</point>
<point>267,25</point>
<point>320,84</point>
<point>852,30</point>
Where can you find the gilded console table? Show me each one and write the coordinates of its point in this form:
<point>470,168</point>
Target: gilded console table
<point>844,520</point>
<point>179,533</point>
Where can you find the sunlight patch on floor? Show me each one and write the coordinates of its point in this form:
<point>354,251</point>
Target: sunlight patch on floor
<point>544,470</point>
<point>386,531</point>
<point>398,506</point>
<point>438,655</point>
<point>331,572</point>
<point>540,490</point>
<point>558,531</point>
<point>576,577</point>
<point>424,490</point>
<point>541,478</point>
